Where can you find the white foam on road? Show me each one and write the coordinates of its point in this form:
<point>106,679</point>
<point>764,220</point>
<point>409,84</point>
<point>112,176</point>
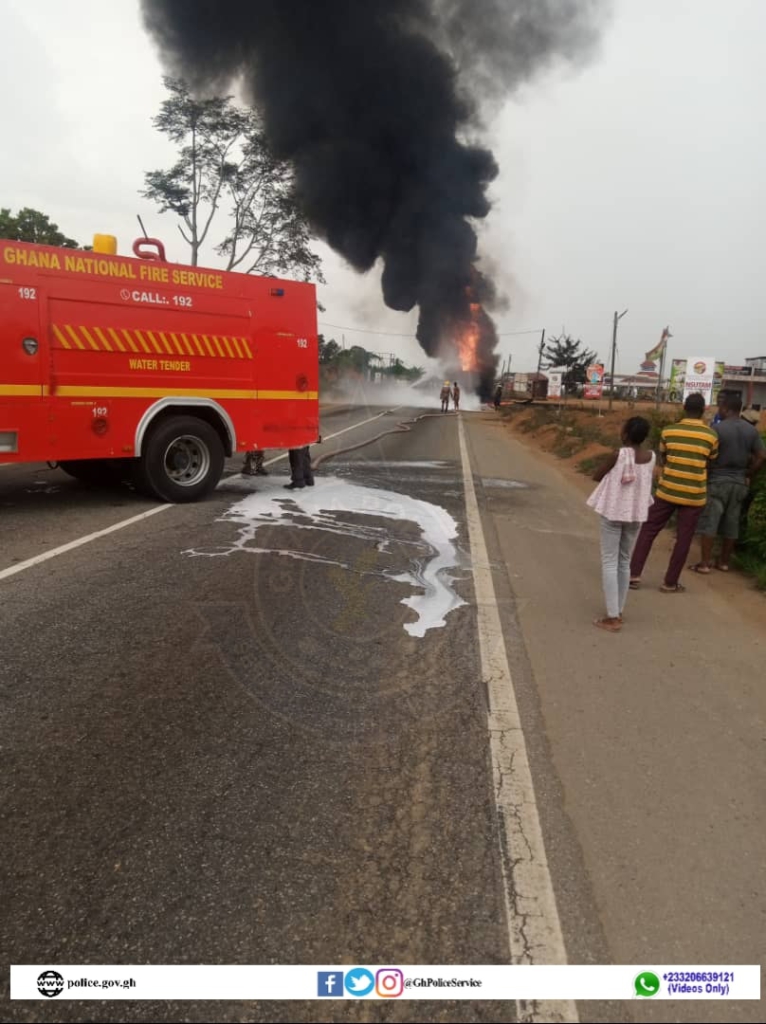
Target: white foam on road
<point>326,508</point>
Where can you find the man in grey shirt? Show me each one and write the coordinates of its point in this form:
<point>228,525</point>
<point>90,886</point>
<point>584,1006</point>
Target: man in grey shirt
<point>741,454</point>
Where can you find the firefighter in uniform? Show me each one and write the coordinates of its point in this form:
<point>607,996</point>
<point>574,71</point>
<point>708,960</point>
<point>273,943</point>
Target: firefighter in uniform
<point>301,473</point>
<point>445,396</point>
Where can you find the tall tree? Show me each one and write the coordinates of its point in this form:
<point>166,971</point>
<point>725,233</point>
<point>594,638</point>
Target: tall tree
<point>328,350</point>
<point>30,225</point>
<point>225,166</point>
<point>564,351</point>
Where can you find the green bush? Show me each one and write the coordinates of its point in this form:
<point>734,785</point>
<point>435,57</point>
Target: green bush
<point>588,466</point>
<point>751,552</point>
<point>658,421</point>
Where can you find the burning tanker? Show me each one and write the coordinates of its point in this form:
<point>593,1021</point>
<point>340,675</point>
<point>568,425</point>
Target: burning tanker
<point>374,103</point>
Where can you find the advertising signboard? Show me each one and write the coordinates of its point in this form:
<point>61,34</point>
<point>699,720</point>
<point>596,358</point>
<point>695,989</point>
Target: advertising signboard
<point>594,384</point>
<point>700,377</point>
<point>554,383</point>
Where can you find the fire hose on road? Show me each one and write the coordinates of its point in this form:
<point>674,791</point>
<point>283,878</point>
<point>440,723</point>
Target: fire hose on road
<point>403,427</point>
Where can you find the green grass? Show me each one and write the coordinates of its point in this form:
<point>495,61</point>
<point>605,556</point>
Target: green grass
<point>589,466</point>
<point>749,563</point>
<point>751,552</point>
<point>541,417</point>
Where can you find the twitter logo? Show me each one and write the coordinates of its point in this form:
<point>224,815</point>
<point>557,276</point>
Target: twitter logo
<point>359,982</point>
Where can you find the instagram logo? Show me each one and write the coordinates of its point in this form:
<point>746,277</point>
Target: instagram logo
<point>389,982</point>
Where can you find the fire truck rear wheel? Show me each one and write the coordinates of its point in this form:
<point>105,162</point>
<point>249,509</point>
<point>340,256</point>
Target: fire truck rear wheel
<point>182,460</point>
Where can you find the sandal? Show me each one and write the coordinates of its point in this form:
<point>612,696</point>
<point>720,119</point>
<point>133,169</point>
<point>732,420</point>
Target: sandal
<point>610,625</point>
<point>635,584</point>
<point>703,568</point>
<point>722,568</point>
<point>679,588</point>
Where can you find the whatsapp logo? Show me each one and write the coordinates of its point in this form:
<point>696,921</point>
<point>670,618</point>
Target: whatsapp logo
<point>647,984</point>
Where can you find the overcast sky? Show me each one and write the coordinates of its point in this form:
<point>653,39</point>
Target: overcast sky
<point>634,183</point>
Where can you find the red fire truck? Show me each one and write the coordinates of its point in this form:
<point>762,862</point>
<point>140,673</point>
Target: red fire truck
<point>112,365</point>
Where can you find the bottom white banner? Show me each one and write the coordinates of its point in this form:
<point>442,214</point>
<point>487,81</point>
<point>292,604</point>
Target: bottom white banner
<point>199,982</point>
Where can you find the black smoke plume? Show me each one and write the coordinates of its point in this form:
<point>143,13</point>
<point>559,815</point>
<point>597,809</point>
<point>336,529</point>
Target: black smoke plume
<point>373,101</point>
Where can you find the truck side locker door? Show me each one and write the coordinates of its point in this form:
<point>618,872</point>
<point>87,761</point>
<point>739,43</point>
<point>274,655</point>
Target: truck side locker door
<point>286,385</point>
<point>23,412</point>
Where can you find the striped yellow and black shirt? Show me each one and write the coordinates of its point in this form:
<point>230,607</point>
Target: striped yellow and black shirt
<point>688,446</point>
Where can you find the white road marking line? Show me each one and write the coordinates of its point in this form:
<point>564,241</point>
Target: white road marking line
<point>72,544</point>
<point>13,569</point>
<point>534,928</point>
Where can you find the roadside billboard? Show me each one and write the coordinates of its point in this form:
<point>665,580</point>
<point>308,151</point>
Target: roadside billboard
<point>594,385</point>
<point>701,374</point>
<point>555,378</point>
<point>700,377</point>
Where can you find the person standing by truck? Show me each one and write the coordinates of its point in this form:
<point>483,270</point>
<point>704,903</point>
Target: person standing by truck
<point>622,499</point>
<point>686,450</point>
<point>254,464</point>
<point>301,473</point>
<point>740,457</point>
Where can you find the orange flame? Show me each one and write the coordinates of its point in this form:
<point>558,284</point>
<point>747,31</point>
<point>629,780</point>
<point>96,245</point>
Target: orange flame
<point>468,341</point>
<point>467,345</point>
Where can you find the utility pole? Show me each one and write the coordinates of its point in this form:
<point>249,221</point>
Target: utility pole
<point>542,349</point>
<point>617,318</point>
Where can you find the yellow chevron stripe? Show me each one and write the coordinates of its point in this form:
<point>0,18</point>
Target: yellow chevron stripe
<point>156,345</point>
<point>129,338</point>
<point>217,344</point>
<point>185,343</point>
<point>143,342</point>
<point>196,340</point>
<point>103,339</point>
<point>175,341</point>
<point>116,339</point>
<point>75,337</point>
<point>60,336</point>
<point>180,344</point>
<point>89,338</point>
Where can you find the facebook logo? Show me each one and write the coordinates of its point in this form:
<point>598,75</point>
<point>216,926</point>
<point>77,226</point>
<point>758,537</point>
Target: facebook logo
<point>330,983</point>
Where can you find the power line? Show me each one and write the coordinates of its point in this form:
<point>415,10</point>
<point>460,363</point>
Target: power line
<point>411,334</point>
<point>362,330</point>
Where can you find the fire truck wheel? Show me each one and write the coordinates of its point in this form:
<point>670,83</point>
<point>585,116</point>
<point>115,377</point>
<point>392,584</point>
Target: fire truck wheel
<point>182,461</point>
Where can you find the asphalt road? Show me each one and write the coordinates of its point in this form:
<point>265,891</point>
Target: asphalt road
<point>224,740</point>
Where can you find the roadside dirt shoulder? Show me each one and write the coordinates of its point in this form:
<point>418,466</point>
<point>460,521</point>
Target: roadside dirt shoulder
<point>567,444</point>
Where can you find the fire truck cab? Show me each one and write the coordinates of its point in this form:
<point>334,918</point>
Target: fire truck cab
<point>114,365</point>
